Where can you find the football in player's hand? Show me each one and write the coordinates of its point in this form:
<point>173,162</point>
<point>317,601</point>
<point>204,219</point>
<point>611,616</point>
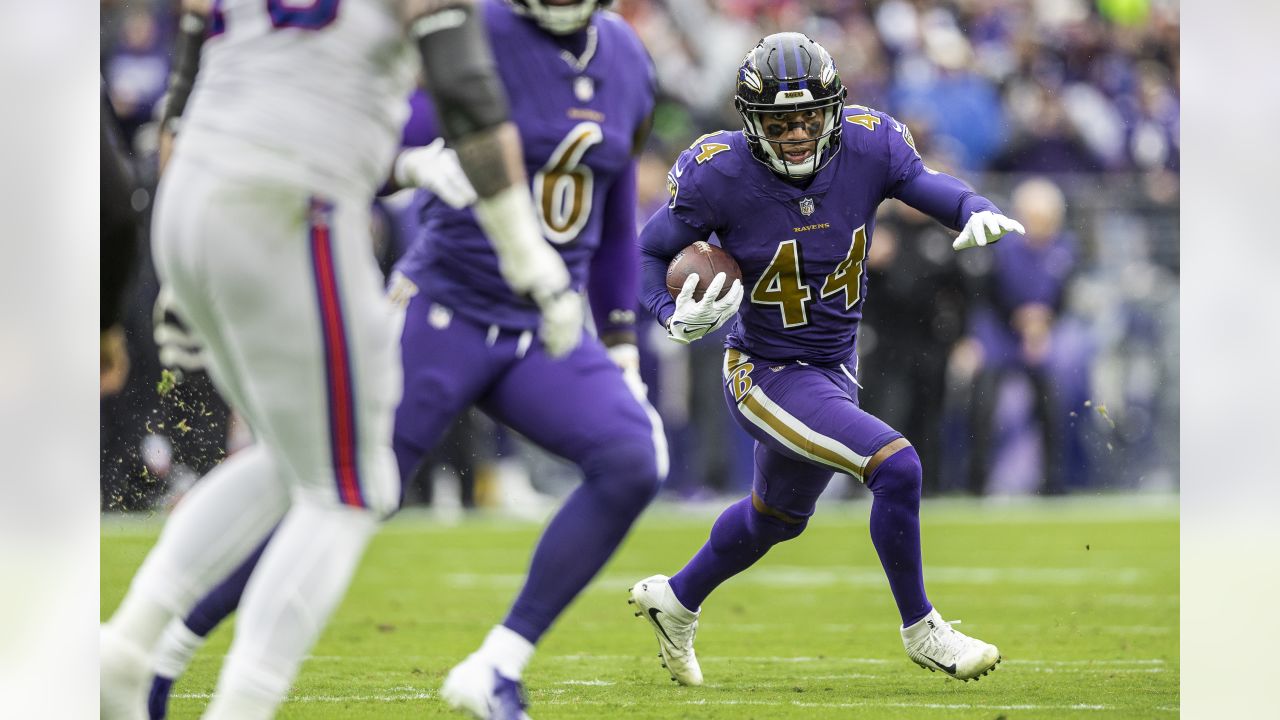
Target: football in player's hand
<point>706,260</point>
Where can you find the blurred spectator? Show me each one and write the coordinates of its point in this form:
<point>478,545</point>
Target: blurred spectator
<point>1019,331</point>
<point>936,83</point>
<point>138,66</point>
<point>1045,140</point>
<point>906,335</point>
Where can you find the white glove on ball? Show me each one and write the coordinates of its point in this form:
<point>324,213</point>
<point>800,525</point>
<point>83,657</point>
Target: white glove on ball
<point>695,318</point>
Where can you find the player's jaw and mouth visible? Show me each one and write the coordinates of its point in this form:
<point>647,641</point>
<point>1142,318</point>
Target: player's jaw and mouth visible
<point>794,136</point>
<point>797,155</point>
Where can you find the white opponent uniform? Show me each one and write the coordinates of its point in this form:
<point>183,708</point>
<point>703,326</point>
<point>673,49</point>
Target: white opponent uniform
<point>262,232</point>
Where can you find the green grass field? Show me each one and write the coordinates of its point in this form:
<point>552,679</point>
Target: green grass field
<point>1080,595</point>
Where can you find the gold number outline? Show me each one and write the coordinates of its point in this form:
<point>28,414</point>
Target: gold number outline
<point>785,265</point>
<point>563,189</point>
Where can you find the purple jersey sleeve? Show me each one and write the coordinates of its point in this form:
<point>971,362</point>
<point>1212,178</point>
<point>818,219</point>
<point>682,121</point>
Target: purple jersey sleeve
<point>903,159</point>
<point>612,280</point>
<point>662,238</point>
<point>422,127</point>
<point>688,203</point>
<point>944,198</point>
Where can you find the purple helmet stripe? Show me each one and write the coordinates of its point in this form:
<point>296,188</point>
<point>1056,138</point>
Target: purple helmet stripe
<point>804,82</point>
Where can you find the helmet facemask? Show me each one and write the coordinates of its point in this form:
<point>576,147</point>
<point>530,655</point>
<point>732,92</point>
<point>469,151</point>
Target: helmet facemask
<point>771,134</point>
<point>558,19</point>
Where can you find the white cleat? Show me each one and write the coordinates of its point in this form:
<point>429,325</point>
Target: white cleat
<point>673,624</point>
<point>933,644</point>
<point>475,686</point>
<point>124,672</point>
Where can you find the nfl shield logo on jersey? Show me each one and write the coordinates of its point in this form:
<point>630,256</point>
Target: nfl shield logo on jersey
<point>806,206</point>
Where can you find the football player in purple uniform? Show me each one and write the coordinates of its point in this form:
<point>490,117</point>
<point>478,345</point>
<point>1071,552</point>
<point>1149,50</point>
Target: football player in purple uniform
<point>793,197</point>
<point>580,85</point>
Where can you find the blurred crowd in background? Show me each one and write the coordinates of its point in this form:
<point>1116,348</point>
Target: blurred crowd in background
<point>1046,364</point>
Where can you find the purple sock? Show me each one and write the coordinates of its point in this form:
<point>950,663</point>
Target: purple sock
<point>223,600</point>
<point>582,536</point>
<point>895,530</point>
<point>739,537</point>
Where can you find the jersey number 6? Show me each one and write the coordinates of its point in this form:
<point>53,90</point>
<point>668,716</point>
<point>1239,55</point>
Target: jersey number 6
<point>563,188</point>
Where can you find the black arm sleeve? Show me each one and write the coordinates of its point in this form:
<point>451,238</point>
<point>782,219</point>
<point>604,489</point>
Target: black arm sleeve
<point>119,221</point>
<point>460,70</point>
<point>186,62</point>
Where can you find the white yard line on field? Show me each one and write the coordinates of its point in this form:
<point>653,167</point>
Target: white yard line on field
<point>800,659</point>
<point>853,576</point>
<point>702,702</point>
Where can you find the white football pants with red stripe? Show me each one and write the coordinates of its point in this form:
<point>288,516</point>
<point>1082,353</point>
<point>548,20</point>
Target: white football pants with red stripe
<point>279,282</point>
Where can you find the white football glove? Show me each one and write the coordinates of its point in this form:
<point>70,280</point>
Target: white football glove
<point>530,266</point>
<point>538,270</point>
<point>695,318</point>
<point>627,357</point>
<point>983,228</point>
<point>561,326</point>
<point>435,168</point>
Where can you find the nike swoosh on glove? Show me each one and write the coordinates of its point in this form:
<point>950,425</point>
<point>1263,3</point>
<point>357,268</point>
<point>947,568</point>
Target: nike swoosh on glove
<point>983,228</point>
<point>695,318</point>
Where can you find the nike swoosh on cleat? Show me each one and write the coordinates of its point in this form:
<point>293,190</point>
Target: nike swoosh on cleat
<point>948,669</point>
<point>653,615</point>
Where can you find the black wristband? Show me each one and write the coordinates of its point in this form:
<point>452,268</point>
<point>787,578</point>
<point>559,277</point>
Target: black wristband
<point>186,62</point>
<point>460,70</point>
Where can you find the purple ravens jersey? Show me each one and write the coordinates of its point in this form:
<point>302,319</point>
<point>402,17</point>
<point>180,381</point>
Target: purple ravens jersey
<point>578,116</point>
<point>802,250</point>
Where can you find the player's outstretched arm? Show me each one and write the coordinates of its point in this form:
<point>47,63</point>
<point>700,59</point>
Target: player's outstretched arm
<point>954,204</point>
<point>460,74</point>
<point>192,30</point>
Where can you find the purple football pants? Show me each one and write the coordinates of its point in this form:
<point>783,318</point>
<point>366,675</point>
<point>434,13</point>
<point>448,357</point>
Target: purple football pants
<point>578,407</point>
<point>807,425</point>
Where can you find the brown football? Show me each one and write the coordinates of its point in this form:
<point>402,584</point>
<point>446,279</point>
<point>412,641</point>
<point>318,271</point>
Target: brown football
<point>706,260</point>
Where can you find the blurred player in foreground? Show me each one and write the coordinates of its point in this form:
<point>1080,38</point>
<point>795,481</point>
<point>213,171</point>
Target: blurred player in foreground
<point>581,87</point>
<point>262,234</point>
<point>792,196</point>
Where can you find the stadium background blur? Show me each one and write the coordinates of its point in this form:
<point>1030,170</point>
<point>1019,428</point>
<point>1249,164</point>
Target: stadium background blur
<point>1077,97</point>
